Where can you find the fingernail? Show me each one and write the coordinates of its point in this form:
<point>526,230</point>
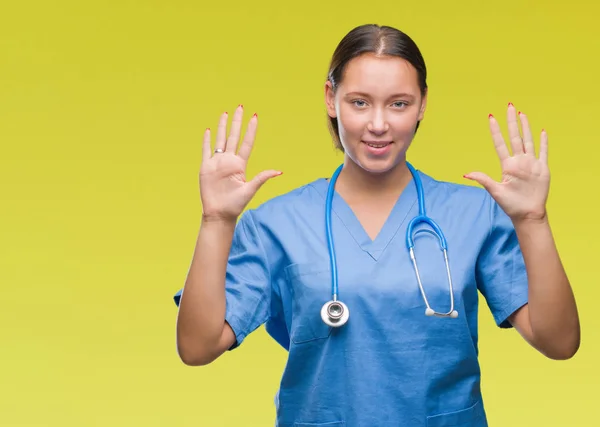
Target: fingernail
<point>255,115</point>
<point>208,129</point>
<point>519,113</point>
<point>490,116</point>
<point>510,104</point>
<point>225,113</point>
<point>279,173</point>
<point>543,130</point>
<point>241,106</point>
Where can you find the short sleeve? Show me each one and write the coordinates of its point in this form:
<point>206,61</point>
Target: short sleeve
<point>501,274</point>
<point>248,281</point>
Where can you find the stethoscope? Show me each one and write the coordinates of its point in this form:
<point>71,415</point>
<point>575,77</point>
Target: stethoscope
<point>335,313</point>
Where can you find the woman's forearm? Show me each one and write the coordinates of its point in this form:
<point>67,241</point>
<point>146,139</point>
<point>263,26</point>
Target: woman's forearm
<point>201,317</point>
<point>552,309</point>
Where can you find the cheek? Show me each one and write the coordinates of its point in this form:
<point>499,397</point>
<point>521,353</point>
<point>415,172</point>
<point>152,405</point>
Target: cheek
<point>404,123</point>
<point>351,123</point>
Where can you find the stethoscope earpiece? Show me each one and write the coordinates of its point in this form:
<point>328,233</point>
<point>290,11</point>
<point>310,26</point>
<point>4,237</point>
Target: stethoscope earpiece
<point>430,312</point>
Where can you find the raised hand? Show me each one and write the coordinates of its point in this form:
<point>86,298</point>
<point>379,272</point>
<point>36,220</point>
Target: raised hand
<point>224,190</point>
<point>525,184</point>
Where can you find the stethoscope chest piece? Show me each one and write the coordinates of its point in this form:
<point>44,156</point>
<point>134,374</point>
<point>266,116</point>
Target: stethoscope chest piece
<point>335,313</point>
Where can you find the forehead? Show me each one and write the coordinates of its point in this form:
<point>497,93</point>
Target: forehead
<point>380,74</point>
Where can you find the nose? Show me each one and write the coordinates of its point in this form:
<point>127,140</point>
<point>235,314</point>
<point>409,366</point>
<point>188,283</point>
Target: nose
<point>378,123</point>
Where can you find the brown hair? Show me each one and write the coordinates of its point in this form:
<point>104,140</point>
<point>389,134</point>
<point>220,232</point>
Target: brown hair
<point>380,40</point>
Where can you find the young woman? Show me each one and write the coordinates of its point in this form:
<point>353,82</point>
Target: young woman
<point>351,274</point>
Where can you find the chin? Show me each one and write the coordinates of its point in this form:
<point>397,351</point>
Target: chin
<point>377,160</point>
<point>377,166</point>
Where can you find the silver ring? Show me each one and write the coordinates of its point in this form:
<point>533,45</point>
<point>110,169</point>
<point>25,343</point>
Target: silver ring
<point>218,151</point>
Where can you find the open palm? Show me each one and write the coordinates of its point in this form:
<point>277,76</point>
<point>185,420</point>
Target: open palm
<point>525,184</point>
<point>224,190</point>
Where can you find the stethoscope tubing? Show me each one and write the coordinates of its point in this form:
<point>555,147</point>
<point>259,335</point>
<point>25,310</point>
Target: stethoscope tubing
<point>334,312</point>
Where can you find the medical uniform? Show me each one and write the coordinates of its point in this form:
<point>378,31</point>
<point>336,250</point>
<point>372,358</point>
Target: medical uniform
<point>389,365</point>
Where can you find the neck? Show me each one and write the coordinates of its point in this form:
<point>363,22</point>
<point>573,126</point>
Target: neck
<point>359,183</point>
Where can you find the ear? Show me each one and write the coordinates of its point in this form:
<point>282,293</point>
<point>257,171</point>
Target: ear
<point>330,99</point>
<point>423,106</point>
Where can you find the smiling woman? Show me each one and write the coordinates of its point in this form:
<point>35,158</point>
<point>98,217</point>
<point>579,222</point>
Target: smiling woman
<point>374,112</point>
<point>401,64</point>
<point>407,354</point>
<point>379,104</point>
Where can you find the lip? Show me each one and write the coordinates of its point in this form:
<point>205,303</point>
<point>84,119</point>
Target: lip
<point>378,152</point>
<point>378,142</point>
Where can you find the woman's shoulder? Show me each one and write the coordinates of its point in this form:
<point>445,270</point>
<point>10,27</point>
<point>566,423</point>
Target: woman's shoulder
<point>453,192</point>
<point>306,199</point>
<point>459,203</point>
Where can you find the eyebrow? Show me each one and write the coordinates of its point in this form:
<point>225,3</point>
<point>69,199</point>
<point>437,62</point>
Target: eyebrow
<point>396,95</point>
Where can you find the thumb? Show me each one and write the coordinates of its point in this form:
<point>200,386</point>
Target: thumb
<point>261,178</point>
<point>482,179</point>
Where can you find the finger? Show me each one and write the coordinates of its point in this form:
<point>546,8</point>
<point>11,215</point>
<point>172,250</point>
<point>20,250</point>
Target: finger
<point>221,132</point>
<point>482,179</point>
<point>499,143</point>
<point>206,145</point>
<point>544,147</point>
<point>236,127</point>
<point>513,130</point>
<point>528,145</point>
<point>263,177</point>
<point>248,142</point>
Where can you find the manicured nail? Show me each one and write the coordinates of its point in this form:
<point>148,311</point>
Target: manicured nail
<point>519,113</point>
<point>255,115</point>
<point>490,116</point>
<point>279,173</point>
<point>510,104</point>
<point>208,129</point>
<point>241,106</point>
<point>543,130</point>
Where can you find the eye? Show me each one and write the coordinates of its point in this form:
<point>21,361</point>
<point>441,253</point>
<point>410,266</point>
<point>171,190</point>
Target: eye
<point>359,103</point>
<point>400,104</point>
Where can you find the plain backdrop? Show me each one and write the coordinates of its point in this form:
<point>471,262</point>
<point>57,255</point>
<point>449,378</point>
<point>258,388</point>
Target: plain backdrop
<point>102,109</point>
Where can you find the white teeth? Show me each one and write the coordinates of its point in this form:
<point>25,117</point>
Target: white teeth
<point>377,146</point>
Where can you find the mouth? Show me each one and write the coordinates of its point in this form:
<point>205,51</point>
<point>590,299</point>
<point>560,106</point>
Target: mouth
<point>378,144</point>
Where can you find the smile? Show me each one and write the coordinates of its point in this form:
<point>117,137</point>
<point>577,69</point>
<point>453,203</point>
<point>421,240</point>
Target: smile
<point>377,144</point>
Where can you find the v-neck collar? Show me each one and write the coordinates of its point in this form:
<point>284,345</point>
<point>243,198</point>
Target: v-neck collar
<point>398,215</point>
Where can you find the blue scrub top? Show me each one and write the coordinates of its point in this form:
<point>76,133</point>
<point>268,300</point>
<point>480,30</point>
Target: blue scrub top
<point>390,364</point>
